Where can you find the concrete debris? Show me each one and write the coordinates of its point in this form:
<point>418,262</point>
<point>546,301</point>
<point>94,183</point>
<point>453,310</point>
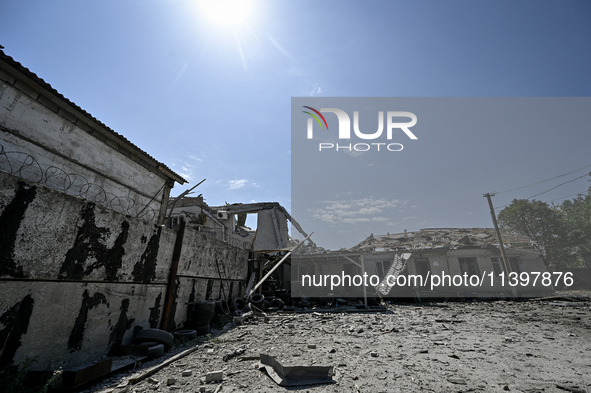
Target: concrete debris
<point>571,388</point>
<point>241,318</point>
<point>420,356</point>
<point>441,237</point>
<point>214,376</point>
<point>233,354</point>
<point>296,375</point>
<point>457,381</point>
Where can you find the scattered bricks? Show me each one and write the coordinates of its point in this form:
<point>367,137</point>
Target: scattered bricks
<point>170,381</point>
<point>210,351</point>
<point>214,376</point>
<point>187,373</point>
<point>312,346</point>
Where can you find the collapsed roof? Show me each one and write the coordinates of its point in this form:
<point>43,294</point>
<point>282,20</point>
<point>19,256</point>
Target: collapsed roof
<point>442,237</point>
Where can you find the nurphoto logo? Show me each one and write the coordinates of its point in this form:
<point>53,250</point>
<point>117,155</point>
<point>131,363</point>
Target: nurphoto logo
<point>393,122</point>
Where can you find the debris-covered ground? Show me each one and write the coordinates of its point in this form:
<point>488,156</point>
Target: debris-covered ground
<point>530,346</point>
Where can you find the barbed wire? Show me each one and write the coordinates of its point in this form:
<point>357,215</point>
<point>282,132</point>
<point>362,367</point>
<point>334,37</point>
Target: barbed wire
<point>27,167</point>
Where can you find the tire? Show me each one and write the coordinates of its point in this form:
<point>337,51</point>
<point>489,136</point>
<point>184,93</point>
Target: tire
<point>157,335</point>
<point>148,344</point>
<point>239,304</point>
<point>186,334</point>
<point>156,351</point>
<point>277,303</point>
<point>202,330</point>
<point>257,298</point>
<point>267,291</point>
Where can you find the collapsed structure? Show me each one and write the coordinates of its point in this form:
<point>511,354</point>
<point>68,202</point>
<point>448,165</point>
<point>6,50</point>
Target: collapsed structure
<point>423,264</point>
<point>92,249</point>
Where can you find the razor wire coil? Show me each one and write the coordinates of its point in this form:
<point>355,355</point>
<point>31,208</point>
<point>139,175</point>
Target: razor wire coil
<point>25,166</point>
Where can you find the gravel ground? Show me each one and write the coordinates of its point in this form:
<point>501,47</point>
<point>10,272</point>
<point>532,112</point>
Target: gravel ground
<point>530,346</point>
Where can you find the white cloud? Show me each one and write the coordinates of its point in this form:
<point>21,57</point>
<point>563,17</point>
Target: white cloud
<point>186,171</point>
<point>237,184</point>
<point>315,91</point>
<point>356,211</point>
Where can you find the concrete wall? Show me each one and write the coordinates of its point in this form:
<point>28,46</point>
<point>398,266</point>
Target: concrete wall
<point>77,278</point>
<point>45,140</point>
<point>272,230</point>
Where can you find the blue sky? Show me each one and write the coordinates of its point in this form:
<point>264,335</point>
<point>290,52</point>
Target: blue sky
<point>213,101</point>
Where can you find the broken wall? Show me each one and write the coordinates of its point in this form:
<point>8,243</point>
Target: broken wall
<point>272,230</point>
<point>77,278</point>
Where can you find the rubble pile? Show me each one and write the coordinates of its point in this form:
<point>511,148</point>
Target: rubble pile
<point>534,346</point>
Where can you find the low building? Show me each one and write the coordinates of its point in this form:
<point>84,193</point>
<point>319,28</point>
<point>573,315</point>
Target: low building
<point>433,263</point>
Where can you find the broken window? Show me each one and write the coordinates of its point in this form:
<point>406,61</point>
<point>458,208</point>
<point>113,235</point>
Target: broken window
<point>515,264</point>
<point>350,269</point>
<point>497,265</point>
<point>382,267</point>
<point>422,267</point>
<point>469,266</point>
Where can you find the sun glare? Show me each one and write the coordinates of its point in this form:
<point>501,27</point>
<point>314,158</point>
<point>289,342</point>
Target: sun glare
<point>228,13</point>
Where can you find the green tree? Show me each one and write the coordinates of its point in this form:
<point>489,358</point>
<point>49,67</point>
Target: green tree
<point>541,223</point>
<point>577,218</point>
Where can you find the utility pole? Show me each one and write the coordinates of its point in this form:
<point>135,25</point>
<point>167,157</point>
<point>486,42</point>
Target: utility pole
<point>500,238</point>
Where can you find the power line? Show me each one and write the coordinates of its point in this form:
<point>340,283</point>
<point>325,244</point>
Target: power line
<point>564,197</point>
<point>550,189</point>
<point>545,180</point>
<point>561,184</point>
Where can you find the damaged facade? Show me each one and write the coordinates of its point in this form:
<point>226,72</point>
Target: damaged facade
<point>85,258</point>
<point>427,256</point>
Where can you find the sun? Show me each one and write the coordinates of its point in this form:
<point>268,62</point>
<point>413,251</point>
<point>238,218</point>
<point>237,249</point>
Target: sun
<point>228,13</point>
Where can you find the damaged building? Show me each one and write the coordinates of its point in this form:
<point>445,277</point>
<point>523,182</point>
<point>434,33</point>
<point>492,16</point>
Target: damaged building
<point>92,250</point>
<point>423,264</point>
